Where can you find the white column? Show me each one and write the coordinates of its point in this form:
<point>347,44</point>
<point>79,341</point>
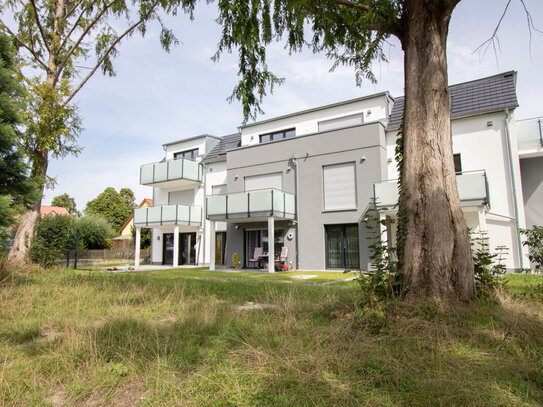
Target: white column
<point>271,245</point>
<point>212,245</point>
<point>482,221</point>
<point>137,252</point>
<point>175,246</point>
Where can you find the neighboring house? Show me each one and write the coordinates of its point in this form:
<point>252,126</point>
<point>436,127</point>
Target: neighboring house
<point>53,210</point>
<point>123,241</point>
<point>305,181</point>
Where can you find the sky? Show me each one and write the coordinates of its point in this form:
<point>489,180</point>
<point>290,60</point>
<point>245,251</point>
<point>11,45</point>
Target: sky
<point>158,97</point>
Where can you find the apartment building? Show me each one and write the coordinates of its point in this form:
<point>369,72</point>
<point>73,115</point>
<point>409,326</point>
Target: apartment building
<point>304,181</point>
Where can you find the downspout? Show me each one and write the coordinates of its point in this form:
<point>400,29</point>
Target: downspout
<point>296,183</point>
<point>204,213</point>
<point>513,187</point>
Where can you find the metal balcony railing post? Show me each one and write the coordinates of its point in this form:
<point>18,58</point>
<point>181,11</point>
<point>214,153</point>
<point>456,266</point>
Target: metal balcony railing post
<point>540,133</point>
<point>226,205</point>
<point>190,214</point>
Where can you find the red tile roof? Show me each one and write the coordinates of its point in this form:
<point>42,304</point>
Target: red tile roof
<point>53,210</point>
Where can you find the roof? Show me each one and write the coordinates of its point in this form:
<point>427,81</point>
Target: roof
<point>218,152</point>
<point>53,210</point>
<point>190,138</point>
<point>147,201</point>
<point>484,95</point>
<point>316,109</point>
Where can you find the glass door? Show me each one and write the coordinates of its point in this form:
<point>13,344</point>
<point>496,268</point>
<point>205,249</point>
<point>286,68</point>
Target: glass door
<point>167,248</point>
<point>220,247</point>
<point>342,249</point>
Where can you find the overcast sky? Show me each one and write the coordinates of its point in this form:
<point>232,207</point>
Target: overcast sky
<point>158,97</point>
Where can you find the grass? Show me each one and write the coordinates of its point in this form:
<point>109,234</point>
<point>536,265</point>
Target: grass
<point>89,338</point>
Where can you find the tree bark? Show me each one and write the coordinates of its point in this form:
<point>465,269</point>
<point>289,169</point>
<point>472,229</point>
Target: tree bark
<point>437,256</point>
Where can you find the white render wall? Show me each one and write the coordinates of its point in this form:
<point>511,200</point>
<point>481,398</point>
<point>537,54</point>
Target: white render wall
<point>483,147</point>
<point>373,109</point>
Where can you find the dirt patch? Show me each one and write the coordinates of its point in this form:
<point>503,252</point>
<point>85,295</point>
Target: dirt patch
<point>49,334</point>
<point>57,398</point>
<point>248,306</point>
<point>128,395</point>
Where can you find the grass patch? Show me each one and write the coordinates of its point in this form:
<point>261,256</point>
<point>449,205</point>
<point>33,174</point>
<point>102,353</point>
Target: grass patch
<point>89,338</point>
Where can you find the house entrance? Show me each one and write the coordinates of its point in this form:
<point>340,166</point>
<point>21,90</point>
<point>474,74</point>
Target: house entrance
<point>342,249</point>
<point>187,248</point>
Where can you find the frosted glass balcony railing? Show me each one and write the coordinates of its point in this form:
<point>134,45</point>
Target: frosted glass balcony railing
<point>247,204</point>
<point>170,170</point>
<point>530,134</point>
<point>168,215</point>
<point>472,187</point>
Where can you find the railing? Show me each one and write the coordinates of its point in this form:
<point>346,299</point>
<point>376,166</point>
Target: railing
<point>530,134</point>
<point>472,187</point>
<point>247,204</point>
<point>168,215</point>
<point>170,170</point>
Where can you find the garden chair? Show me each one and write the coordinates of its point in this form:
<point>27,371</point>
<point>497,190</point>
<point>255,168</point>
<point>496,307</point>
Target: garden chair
<point>255,262</point>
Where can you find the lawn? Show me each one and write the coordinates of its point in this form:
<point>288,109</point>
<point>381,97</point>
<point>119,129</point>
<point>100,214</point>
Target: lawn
<point>92,339</point>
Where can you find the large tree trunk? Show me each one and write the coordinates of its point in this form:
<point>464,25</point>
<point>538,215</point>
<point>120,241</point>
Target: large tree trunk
<point>437,255</point>
<point>29,220</point>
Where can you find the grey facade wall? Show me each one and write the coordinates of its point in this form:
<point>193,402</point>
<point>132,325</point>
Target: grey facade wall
<point>531,170</point>
<point>365,145</point>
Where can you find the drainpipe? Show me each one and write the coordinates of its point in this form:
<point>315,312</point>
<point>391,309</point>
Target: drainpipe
<point>204,215</point>
<point>296,183</point>
<point>513,187</point>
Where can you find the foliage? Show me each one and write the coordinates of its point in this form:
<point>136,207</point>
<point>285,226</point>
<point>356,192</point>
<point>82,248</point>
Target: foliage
<point>94,232</point>
<point>53,238</point>
<point>66,201</point>
<point>489,267</point>
<point>16,189</point>
<point>534,242</point>
<point>145,238</point>
<point>235,261</point>
<point>111,206</point>
<point>128,197</point>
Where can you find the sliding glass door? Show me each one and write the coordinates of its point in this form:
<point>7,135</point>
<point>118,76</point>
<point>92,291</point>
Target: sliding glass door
<point>342,248</point>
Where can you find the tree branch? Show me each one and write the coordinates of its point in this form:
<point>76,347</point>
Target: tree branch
<point>62,65</point>
<point>38,23</point>
<point>69,13</point>
<point>111,47</point>
<point>354,4</point>
<point>22,43</point>
<point>75,25</point>
<point>366,9</point>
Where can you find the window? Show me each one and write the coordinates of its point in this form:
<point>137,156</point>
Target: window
<point>339,186</point>
<point>342,248</point>
<point>218,189</point>
<point>340,122</point>
<point>277,135</point>
<point>457,163</point>
<point>263,181</point>
<point>188,154</point>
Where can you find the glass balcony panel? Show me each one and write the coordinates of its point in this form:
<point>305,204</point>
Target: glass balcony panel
<point>216,205</point>
<point>529,134</point>
<point>154,214</point>
<point>196,214</point>
<point>140,216</point>
<point>237,203</point>
<point>471,186</point>
<point>386,193</point>
<point>175,170</point>
<point>183,213</point>
<point>190,170</point>
<point>261,201</point>
<point>290,204</point>
<point>147,174</point>
<point>161,171</point>
<point>169,213</point>
<point>278,201</point>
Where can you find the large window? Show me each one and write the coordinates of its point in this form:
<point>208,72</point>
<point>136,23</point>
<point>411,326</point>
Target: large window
<point>339,186</point>
<point>342,249</point>
<point>188,154</point>
<point>277,135</point>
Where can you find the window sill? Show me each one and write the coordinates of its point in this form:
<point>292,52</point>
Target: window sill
<point>339,210</point>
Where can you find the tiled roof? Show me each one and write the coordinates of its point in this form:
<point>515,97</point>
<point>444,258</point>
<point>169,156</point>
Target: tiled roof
<point>227,143</point>
<point>479,96</point>
<point>53,210</point>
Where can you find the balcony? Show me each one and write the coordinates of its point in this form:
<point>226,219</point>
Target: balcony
<point>168,215</point>
<point>530,135</point>
<point>472,188</point>
<point>174,174</point>
<point>250,205</point>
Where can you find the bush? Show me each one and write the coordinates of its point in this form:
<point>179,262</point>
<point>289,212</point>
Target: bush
<point>54,236</point>
<point>145,238</point>
<point>94,232</point>
<point>534,242</point>
<point>488,266</point>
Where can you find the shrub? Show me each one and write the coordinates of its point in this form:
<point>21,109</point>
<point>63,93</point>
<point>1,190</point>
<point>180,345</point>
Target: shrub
<point>145,238</point>
<point>94,232</point>
<point>488,266</point>
<point>54,236</point>
<point>534,242</point>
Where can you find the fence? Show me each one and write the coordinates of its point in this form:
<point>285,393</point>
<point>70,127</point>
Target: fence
<point>105,256</point>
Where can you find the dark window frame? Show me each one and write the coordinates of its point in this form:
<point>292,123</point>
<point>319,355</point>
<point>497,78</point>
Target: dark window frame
<point>277,135</point>
<point>186,154</point>
<point>343,227</point>
<point>457,163</point>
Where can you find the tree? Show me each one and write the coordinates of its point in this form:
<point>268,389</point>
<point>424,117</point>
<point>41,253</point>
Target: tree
<point>62,43</point>
<point>94,232</point>
<point>128,196</point>
<point>66,201</point>
<point>54,237</point>
<point>145,238</point>
<point>16,188</point>
<point>111,206</point>
<point>434,244</point>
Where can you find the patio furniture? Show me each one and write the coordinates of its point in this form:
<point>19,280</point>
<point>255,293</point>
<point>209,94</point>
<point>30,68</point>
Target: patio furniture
<point>280,264</point>
<point>255,261</point>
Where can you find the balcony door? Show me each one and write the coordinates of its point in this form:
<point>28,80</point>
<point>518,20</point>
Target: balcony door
<point>342,248</point>
<point>187,248</point>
